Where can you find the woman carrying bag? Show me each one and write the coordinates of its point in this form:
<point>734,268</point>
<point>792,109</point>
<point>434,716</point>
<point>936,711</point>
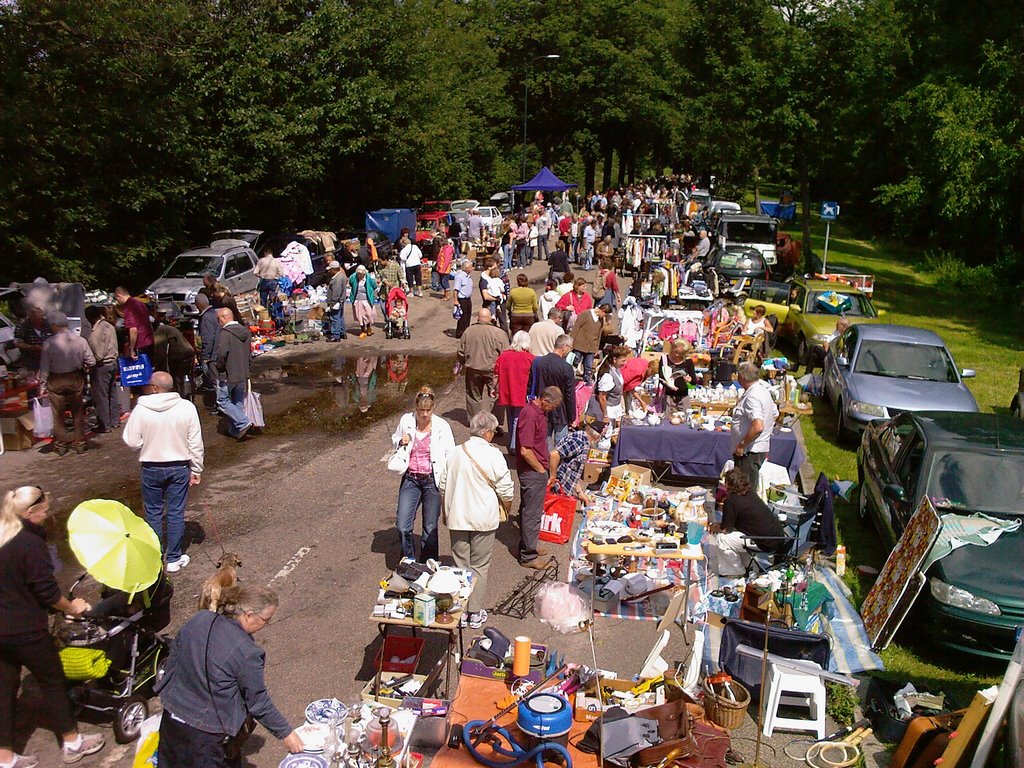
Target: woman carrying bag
<point>422,443</point>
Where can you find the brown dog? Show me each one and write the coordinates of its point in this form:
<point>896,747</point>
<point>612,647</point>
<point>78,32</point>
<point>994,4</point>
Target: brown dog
<point>226,576</point>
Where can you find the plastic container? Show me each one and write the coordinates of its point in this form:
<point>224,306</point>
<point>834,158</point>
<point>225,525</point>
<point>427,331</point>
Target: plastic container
<point>429,731</point>
<point>401,647</point>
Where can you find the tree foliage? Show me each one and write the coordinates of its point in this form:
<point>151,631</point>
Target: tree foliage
<point>132,129</point>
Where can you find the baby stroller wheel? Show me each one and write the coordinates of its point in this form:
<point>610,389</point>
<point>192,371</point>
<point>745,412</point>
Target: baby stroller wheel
<point>406,334</point>
<point>387,331</point>
<point>129,718</point>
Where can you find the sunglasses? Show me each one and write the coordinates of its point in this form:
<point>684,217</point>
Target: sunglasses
<point>42,497</point>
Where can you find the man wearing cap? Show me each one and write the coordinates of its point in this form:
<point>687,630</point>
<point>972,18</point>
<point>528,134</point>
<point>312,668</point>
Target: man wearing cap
<point>65,360</point>
<point>337,293</point>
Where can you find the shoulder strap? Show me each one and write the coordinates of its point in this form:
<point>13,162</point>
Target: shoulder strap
<point>478,467</point>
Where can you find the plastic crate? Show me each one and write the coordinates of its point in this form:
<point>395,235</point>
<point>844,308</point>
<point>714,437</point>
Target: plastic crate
<point>401,647</point>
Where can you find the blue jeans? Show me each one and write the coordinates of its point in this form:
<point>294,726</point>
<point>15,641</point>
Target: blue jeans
<point>229,402</point>
<point>506,252</point>
<point>336,323</point>
<point>512,414</point>
<point>542,247</point>
<point>165,484</point>
<point>588,366</point>
<point>267,289</point>
<point>588,256</point>
<point>522,252</point>
<point>414,490</point>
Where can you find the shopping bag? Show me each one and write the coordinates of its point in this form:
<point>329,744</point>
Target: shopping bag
<point>148,743</point>
<point>253,407</point>
<point>135,373</point>
<point>42,415</point>
<point>559,511</point>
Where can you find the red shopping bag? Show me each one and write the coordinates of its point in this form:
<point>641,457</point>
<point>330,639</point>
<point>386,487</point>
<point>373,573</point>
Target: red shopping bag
<point>559,511</point>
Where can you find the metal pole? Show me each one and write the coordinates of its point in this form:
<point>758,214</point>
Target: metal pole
<point>824,260</point>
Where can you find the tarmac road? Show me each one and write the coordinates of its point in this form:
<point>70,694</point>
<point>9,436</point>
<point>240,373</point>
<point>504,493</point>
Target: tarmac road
<point>310,509</point>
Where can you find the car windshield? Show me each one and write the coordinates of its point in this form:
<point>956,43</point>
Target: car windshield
<point>894,359</point>
<point>742,260</point>
<point>860,305</point>
<point>434,207</point>
<point>194,266</point>
<point>978,482</point>
<point>760,232</point>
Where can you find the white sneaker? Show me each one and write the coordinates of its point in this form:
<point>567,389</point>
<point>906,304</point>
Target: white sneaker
<point>21,761</point>
<point>176,565</point>
<point>88,744</point>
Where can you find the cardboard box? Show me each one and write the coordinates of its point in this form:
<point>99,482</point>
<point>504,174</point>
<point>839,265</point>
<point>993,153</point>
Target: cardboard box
<point>424,609</point>
<point>644,473</point>
<point>389,701</point>
<point>592,472</point>
<point>588,705</point>
<point>17,432</point>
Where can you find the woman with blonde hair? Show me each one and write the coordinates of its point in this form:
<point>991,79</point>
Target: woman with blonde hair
<point>28,591</point>
<point>677,372</point>
<point>213,683</point>
<point>431,440</point>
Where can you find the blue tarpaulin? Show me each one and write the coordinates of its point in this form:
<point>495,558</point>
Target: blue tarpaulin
<point>785,212</point>
<point>390,221</point>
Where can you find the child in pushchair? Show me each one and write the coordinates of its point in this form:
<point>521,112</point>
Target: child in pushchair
<point>113,654</point>
<point>397,310</point>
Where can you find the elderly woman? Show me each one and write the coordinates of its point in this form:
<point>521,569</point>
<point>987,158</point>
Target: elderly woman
<point>431,440</point>
<point>512,374</point>
<point>477,487</point>
<point>363,297</point>
<point>213,682</point>
<point>677,372</point>
<point>28,591</point>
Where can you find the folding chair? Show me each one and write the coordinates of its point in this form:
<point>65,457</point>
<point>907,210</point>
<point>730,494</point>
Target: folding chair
<point>795,545</point>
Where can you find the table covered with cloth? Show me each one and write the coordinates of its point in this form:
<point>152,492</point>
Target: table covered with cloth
<point>696,452</point>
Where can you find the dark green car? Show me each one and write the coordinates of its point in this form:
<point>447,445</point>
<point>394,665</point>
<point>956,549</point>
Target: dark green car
<point>966,463</point>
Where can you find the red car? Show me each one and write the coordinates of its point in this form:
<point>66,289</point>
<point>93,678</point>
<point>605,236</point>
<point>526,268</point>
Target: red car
<point>432,215</point>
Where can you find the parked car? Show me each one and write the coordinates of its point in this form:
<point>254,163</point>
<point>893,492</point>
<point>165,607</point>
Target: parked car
<point>249,235</point>
<point>231,261</point>
<point>966,463</point>
<point>801,319</point>
<point>464,205</point>
<point>491,217</point>
<point>723,206</point>
<point>751,229</point>
<point>432,213</point>
<point>735,263</point>
<point>879,371</point>
<point>502,201</point>
<point>701,197</point>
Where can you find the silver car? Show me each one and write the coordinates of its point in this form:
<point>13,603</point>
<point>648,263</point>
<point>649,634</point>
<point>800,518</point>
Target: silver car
<point>230,261</point>
<point>879,371</point>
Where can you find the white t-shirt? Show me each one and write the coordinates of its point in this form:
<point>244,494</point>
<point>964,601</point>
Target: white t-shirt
<point>496,287</point>
<point>606,384</point>
<point>755,403</point>
<point>411,255</point>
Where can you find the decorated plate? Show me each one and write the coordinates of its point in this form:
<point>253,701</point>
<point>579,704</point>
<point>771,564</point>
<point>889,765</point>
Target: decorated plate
<point>322,710</point>
<point>313,736</point>
<point>304,761</point>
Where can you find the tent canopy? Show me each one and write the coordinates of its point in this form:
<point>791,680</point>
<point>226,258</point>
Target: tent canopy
<point>390,221</point>
<point>545,181</point>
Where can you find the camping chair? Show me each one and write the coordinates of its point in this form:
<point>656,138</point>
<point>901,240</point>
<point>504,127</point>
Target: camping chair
<point>747,348</point>
<point>795,543</point>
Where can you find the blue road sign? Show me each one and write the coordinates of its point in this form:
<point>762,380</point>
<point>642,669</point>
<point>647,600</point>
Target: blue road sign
<point>829,211</point>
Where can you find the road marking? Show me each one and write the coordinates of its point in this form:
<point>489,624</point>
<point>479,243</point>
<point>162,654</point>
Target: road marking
<point>290,565</point>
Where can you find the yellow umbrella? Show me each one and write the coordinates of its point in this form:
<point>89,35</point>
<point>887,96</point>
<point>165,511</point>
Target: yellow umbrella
<point>116,546</point>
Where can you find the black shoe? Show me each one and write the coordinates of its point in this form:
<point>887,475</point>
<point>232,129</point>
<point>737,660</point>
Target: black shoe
<point>343,336</point>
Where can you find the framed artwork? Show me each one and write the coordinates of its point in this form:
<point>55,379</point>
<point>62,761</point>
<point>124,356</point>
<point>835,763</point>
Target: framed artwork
<point>901,579</point>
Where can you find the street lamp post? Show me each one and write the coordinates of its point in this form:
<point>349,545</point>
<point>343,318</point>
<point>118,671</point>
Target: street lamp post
<point>526,100</point>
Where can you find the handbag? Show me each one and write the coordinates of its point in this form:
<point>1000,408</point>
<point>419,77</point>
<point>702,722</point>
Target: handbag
<point>399,461</point>
<point>135,373</point>
<point>253,407</point>
<point>502,504</point>
<point>559,511</point>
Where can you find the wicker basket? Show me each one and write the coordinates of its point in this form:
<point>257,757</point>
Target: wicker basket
<point>721,711</point>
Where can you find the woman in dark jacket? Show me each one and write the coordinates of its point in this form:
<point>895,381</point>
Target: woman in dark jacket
<point>28,590</point>
<point>213,683</point>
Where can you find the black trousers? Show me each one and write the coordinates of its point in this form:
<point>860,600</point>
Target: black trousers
<point>104,395</point>
<point>466,305</point>
<point>182,746</point>
<point>750,463</point>
<point>40,658</point>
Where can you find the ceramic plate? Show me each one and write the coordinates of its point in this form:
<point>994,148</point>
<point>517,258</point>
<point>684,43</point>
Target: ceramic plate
<point>323,710</point>
<point>304,761</point>
<point>313,736</point>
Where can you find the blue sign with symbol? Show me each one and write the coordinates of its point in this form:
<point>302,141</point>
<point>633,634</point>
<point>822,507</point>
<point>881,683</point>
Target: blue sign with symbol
<point>829,211</point>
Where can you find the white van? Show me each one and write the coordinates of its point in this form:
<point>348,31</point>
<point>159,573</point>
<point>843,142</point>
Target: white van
<point>754,230</point>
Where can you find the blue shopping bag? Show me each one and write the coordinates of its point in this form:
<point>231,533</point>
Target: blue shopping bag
<point>135,373</point>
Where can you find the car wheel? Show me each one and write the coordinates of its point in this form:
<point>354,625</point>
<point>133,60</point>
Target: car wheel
<point>862,498</point>
<point>843,433</point>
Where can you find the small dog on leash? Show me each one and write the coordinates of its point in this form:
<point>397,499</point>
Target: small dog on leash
<point>225,576</point>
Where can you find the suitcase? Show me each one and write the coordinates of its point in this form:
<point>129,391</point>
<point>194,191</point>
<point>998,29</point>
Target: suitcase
<point>924,741</point>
